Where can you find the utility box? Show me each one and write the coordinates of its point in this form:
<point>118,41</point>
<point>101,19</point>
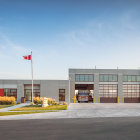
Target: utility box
<point>22,99</point>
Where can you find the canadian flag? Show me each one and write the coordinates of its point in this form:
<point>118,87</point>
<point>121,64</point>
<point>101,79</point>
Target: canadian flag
<point>28,57</point>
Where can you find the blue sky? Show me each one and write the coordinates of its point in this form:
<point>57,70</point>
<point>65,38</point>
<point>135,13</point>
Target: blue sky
<point>68,34</point>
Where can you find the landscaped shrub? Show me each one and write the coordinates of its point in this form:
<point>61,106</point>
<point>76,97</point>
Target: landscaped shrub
<point>38,100</point>
<point>50,101</point>
<point>54,101</point>
<point>57,103</point>
<point>65,103</point>
<point>7,100</point>
<point>18,103</point>
<point>31,103</point>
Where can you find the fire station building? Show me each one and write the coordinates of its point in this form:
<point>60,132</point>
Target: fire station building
<point>103,85</point>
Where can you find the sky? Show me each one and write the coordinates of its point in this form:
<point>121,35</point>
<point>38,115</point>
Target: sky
<point>65,34</point>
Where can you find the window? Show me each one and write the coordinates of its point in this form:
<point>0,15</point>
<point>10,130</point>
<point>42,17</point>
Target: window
<point>131,78</point>
<point>108,90</point>
<point>77,77</point>
<point>125,78</point>
<point>10,92</point>
<point>90,78</point>
<point>36,92</point>
<point>84,78</point>
<point>28,91</point>
<point>101,78</point>
<point>131,90</point>
<point>61,94</point>
<point>114,78</point>
<point>108,78</point>
<point>138,78</point>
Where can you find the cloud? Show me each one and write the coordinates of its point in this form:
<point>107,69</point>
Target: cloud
<point>11,46</point>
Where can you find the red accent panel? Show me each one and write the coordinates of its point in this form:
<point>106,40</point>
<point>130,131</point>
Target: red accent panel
<point>1,92</point>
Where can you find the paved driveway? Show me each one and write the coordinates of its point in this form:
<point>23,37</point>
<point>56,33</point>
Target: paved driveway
<point>85,110</point>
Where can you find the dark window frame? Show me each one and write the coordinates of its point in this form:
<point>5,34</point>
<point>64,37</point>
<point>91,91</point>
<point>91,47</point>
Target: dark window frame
<point>61,93</point>
<point>103,75</point>
<point>136,78</point>
<point>10,91</point>
<point>78,75</point>
<point>36,94</point>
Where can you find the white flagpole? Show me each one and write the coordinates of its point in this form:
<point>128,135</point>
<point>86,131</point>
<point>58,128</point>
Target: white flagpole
<point>32,75</point>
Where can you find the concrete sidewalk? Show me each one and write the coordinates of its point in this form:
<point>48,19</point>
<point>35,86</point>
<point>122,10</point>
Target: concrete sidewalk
<point>84,110</point>
<point>13,107</point>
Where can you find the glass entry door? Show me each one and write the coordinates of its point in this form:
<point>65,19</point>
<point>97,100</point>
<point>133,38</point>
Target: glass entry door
<point>28,94</point>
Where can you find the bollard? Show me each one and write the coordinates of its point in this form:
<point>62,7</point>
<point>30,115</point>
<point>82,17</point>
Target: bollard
<point>117,99</point>
<point>93,99</point>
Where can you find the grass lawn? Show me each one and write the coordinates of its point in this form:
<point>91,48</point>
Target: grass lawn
<point>4,106</point>
<point>39,107</point>
<point>20,113</point>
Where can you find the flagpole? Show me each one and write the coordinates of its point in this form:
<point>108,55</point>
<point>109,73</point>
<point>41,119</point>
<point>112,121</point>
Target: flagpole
<point>32,75</point>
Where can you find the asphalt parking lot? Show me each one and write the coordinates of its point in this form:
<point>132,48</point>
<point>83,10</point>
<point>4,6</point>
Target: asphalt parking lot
<point>71,129</point>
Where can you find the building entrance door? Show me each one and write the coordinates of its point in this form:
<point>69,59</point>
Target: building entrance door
<point>28,91</point>
<point>28,94</point>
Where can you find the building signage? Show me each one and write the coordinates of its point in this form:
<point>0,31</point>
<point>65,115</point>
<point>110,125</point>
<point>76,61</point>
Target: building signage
<point>45,102</point>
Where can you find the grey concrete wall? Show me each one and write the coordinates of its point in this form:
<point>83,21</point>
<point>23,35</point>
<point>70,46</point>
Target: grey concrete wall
<point>120,87</point>
<point>96,87</point>
<point>50,88</point>
<point>72,86</point>
<point>105,71</point>
<point>20,91</point>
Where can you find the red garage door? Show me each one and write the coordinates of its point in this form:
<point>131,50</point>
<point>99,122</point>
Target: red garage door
<point>108,99</point>
<point>1,92</point>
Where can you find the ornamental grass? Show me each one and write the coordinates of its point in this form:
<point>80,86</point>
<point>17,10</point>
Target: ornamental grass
<point>7,100</point>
